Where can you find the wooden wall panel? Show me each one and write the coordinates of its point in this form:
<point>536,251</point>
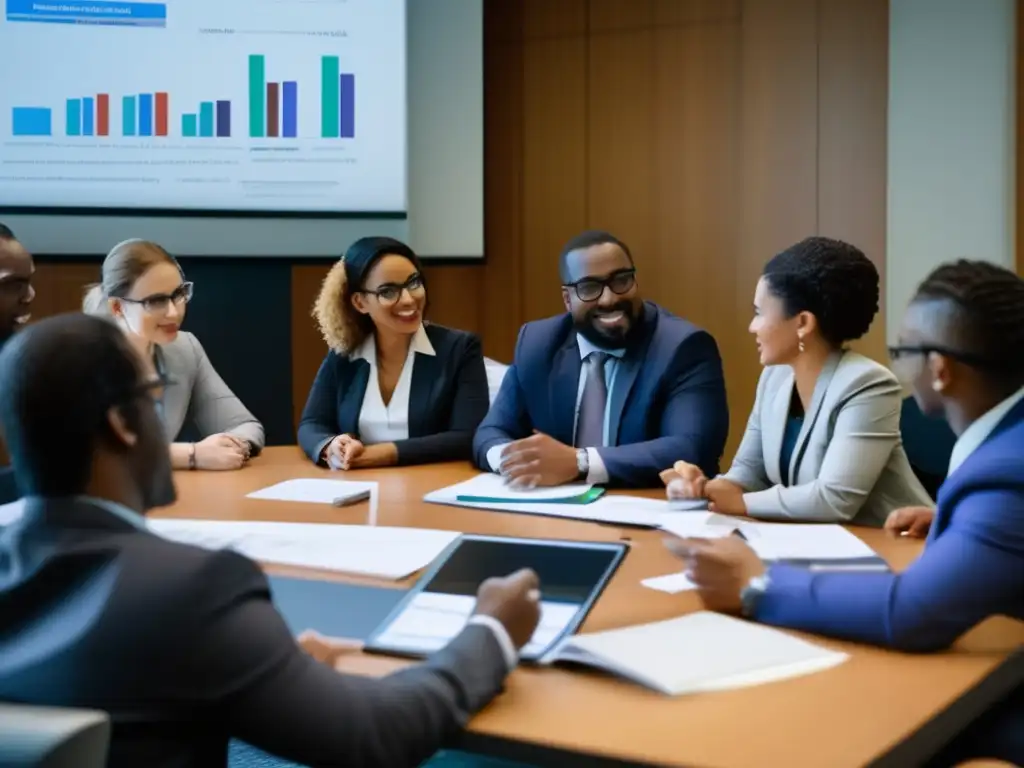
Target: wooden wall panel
<point>60,287</point>
<point>1020,140</point>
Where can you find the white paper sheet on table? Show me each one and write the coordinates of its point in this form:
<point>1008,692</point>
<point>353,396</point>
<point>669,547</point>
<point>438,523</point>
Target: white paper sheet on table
<point>492,486</point>
<point>670,583</point>
<point>377,551</point>
<point>11,511</point>
<point>314,490</point>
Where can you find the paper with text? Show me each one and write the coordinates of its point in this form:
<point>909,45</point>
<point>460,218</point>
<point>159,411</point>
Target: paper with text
<point>364,550</point>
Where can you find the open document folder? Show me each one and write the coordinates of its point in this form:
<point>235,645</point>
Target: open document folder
<point>696,653</point>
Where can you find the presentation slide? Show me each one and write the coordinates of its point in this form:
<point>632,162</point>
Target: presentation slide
<point>282,106</point>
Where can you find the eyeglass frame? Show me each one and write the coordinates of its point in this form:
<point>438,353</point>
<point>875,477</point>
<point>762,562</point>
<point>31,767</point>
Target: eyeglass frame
<point>899,351</point>
<point>414,285</point>
<point>186,290</point>
<point>604,282</point>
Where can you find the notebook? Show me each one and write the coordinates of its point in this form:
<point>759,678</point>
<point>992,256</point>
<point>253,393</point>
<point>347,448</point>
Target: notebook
<point>696,653</point>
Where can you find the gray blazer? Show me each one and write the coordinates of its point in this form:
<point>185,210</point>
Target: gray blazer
<point>199,395</point>
<point>848,464</point>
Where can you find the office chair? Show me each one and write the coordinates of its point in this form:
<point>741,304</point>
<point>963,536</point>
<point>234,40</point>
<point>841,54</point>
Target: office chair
<point>51,737</point>
<point>929,443</point>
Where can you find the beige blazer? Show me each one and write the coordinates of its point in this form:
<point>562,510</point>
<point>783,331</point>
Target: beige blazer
<point>848,464</point>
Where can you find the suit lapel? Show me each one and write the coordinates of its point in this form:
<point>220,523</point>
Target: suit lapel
<point>564,386</point>
<point>820,391</point>
<point>426,372</point>
<point>351,399</point>
<point>773,425</point>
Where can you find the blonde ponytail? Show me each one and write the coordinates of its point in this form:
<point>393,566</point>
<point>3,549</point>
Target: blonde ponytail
<point>95,301</point>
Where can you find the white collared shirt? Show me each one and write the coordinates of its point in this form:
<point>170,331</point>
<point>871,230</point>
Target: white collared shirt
<point>598,473</point>
<point>380,423</point>
<point>980,429</point>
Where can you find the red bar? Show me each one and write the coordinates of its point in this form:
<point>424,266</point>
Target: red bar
<point>273,109</point>
<point>102,114</point>
<point>161,114</point>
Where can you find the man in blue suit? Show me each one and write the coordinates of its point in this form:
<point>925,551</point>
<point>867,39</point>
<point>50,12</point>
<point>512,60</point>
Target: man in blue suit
<point>613,391</point>
<point>961,350</point>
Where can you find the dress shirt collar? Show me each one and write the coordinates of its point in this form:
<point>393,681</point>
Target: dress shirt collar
<point>121,512</point>
<point>980,429</point>
<point>420,344</point>
<point>587,347</point>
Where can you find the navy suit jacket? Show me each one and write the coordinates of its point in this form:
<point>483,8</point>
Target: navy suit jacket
<point>972,566</point>
<point>667,403</point>
<point>448,397</point>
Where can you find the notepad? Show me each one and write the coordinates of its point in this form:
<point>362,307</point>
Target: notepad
<point>697,653</point>
<point>338,493</point>
<point>362,550</point>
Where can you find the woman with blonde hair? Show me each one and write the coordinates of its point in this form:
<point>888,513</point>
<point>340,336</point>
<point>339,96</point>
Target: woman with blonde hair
<point>144,291</point>
<point>392,389</point>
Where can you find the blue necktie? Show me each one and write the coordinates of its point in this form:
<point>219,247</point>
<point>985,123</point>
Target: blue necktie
<point>590,426</point>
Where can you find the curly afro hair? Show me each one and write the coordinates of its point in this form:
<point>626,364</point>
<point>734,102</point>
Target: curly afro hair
<point>832,280</point>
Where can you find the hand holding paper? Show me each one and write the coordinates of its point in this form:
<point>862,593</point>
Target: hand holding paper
<point>720,568</point>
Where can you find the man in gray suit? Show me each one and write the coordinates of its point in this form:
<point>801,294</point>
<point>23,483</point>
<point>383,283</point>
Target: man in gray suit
<point>181,645</point>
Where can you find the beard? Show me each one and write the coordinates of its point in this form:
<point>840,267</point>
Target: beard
<point>609,338</point>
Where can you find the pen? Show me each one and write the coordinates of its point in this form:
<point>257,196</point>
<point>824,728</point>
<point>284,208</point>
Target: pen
<point>348,501</point>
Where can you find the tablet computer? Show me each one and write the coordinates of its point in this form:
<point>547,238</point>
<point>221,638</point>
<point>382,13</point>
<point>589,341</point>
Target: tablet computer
<point>572,576</point>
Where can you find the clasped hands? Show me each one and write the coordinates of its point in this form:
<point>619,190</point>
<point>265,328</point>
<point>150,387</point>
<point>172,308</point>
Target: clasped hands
<point>687,481</point>
<point>538,460</point>
<point>348,452</point>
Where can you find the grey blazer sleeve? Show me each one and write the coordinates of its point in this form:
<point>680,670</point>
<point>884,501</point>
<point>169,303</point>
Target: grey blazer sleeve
<point>747,470</point>
<point>866,429</point>
<point>214,408</point>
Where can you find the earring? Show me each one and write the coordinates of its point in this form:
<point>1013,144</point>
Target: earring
<point>800,343</point>
<point>938,386</point>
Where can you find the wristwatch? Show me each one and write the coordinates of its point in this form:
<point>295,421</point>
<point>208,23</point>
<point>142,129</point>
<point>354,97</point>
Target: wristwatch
<point>752,593</point>
<point>582,463</point>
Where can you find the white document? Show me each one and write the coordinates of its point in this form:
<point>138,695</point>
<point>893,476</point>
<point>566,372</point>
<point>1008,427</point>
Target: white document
<point>316,491</point>
<point>492,486</point>
<point>11,511</point>
<point>364,550</point>
<point>433,619</point>
<point>697,653</point>
<point>671,583</point>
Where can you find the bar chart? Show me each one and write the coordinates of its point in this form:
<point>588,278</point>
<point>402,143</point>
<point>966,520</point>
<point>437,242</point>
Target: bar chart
<point>213,119</point>
<point>145,114</point>
<point>337,100</point>
<point>273,106</point>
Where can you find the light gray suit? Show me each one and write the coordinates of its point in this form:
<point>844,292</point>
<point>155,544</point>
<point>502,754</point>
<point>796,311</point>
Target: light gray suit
<point>199,395</point>
<point>848,464</point>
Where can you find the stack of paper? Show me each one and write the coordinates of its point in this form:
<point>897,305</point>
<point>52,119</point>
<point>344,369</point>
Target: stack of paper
<point>317,491</point>
<point>549,502</point>
<point>697,653</point>
<point>380,552</point>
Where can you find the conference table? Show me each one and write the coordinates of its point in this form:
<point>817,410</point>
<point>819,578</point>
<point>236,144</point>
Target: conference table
<point>878,708</point>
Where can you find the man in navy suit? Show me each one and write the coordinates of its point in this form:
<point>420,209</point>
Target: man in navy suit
<point>961,350</point>
<point>613,391</point>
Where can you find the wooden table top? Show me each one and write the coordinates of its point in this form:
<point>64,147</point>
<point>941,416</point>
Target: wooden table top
<point>849,715</point>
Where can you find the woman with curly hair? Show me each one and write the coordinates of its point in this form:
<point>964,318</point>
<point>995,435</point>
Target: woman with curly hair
<point>823,440</point>
<point>392,389</point>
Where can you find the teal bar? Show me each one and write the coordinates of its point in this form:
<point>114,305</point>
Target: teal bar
<point>330,107</point>
<point>188,126</point>
<point>257,96</point>
<point>74,117</point>
<point>206,118</point>
<point>128,116</point>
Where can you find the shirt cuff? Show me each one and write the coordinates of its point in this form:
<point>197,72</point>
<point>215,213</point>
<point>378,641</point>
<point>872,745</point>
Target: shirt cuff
<point>318,454</point>
<point>598,474</point>
<point>508,648</point>
<point>494,456</point>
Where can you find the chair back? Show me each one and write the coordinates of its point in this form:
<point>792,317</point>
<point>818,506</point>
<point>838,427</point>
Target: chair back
<point>495,375</point>
<point>52,737</point>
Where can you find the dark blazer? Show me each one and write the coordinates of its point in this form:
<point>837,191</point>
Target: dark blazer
<point>184,649</point>
<point>667,404</point>
<point>447,400</point>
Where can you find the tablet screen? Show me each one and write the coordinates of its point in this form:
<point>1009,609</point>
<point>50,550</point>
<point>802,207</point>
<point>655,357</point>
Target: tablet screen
<point>572,575</point>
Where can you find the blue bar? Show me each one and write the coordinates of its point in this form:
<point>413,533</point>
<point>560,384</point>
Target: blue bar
<point>88,119</point>
<point>128,116</point>
<point>74,117</point>
<point>289,117</point>
<point>145,114</point>
<point>31,121</point>
<point>348,106</point>
<point>206,118</point>
<point>93,12</point>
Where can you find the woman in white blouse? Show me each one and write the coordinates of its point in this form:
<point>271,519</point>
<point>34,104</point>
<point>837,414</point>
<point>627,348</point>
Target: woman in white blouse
<point>392,390</point>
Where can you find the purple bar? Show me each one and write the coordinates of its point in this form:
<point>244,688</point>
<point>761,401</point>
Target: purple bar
<point>289,119</point>
<point>348,106</point>
<point>223,118</point>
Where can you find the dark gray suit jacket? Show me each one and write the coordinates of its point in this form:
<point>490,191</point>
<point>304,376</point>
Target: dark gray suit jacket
<point>183,647</point>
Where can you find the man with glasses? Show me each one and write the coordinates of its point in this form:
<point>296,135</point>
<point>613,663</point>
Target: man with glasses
<point>613,391</point>
<point>16,292</point>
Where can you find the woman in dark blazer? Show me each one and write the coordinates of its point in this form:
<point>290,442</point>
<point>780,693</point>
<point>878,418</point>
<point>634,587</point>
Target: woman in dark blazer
<point>393,389</point>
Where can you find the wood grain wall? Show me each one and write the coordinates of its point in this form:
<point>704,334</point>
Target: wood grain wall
<point>707,134</point>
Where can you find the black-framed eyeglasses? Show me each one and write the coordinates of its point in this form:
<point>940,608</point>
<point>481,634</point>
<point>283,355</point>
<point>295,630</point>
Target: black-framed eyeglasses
<point>591,288</point>
<point>390,293</point>
<point>159,302</point>
<point>902,351</point>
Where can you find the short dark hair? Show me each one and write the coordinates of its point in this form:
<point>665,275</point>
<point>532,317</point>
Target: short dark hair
<point>585,240</point>
<point>58,379</point>
<point>832,280</point>
<point>989,306</point>
<point>6,233</point>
